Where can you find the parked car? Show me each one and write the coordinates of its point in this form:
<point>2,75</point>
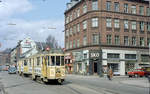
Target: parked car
<point>12,70</point>
<point>116,73</point>
<point>137,73</point>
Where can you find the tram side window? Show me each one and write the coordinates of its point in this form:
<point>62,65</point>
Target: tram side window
<point>48,59</point>
<point>53,60</point>
<point>62,60</point>
<point>57,60</point>
<point>25,63</point>
<point>38,61</point>
<point>30,62</point>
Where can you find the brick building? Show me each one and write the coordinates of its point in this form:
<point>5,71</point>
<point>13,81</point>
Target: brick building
<point>117,30</point>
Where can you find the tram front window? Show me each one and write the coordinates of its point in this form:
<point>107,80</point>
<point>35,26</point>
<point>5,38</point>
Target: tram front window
<point>53,60</point>
<point>57,60</point>
<point>25,63</point>
<point>62,60</point>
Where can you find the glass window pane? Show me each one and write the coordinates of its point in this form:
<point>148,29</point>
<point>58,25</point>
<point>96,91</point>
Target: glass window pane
<point>57,60</point>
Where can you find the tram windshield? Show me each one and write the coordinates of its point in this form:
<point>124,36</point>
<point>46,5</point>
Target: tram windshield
<point>57,61</point>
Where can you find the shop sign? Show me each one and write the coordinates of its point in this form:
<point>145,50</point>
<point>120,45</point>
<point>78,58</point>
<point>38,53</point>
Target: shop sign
<point>94,55</point>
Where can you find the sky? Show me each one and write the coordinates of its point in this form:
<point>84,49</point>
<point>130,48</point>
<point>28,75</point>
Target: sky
<point>31,18</point>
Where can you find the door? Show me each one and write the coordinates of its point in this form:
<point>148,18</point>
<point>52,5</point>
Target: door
<point>95,68</point>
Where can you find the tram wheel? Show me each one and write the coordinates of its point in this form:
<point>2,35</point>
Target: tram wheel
<point>59,81</point>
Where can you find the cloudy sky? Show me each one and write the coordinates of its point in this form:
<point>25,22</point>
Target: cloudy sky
<point>31,18</point>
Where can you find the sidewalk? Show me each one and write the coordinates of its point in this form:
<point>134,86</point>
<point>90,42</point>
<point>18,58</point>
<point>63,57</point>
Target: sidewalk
<point>139,83</point>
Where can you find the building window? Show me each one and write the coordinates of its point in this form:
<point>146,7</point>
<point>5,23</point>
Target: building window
<point>74,14</point>
<point>148,11</point>
<point>141,41</point>
<point>148,41</point>
<point>84,25</point>
<point>78,27</point>
<point>126,26</point>
<point>78,12</point>
<point>117,40</point>
<point>116,7</point>
<point>74,29</point>
<point>108,6</point>
<point>130,56</point>
<point>125,8</point>
<point>67,19</point>
<point>141,26</point>
<point>70,17</point>
<point>95,39</point>
<point>133,23</point>
<point>70,31</point>
<point>126,40</point>
<point>67,45</point>
<point>141,10</point>
<point>116,22</point>
<point>94,22</point>
<point>78,43</point>
<point>84,41</point>
<point>148,26</point>
<point>108,22</point>
<point>113,56</point>
<point>145,58</point>
<point>109,39</point>
<point>133,9</point>
<point>67,33</point>
<point>84,8</point>
<point>74,43</point>
<point>70,44</point>
<point>134,41</point>
<point>94,5</point>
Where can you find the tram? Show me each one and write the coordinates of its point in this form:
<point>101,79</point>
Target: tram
<point>45,66</point>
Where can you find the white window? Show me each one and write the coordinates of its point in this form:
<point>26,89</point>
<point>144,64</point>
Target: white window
<point>70,17</point>
<point>84,25</point>
<point>95,5</point>
<point>133,9</point>
<point>148,11</point>
<point>133,25</point>
<point>108,5</point>
<point>78,12</point>
<point>94,22</point>
<point>74,43</point>
<point>67,19</point>
<point>67,33</point>
<point>125,8</point>
<point>70,31</point>
<point>116,7</point>
<point>148,26</point>
<point>67,45</point>
<point>141,41</point>
<point>78,43</point>
<point>142,26</point>
<point>126,40</point>
<point>126,26</point>
<point>84,8</point>
<point>108,22</point>
<point>95,39</point>
<point>141,11</point>
<point>134,41</point>
<point>78,27</point>
<point>74,29</point>
<point>84,41</point>
<point>116,21</point>
<point>70,44</point>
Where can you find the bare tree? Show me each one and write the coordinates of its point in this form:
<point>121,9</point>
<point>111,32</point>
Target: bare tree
<point>52,42</point>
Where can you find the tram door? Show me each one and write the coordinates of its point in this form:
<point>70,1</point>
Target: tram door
<point>95,67</point>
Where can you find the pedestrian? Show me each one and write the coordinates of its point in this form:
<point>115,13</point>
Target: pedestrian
<point>110,74</point>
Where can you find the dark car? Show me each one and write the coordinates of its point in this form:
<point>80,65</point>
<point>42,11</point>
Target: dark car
<point>12,70</point>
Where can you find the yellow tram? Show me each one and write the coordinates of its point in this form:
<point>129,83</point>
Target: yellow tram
<point>45,66</point>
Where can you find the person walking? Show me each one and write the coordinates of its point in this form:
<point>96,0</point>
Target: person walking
<point>110,74</point>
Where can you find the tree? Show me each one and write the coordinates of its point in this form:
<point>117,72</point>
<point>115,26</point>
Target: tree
<point>52,42</point>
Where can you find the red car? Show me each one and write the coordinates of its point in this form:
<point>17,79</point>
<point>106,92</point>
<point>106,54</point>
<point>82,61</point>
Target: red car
<point>137,73</point>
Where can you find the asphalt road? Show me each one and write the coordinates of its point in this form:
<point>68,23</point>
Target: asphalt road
<point>74,84</point>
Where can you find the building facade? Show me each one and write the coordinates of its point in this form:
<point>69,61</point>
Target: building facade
<point>108,34</point>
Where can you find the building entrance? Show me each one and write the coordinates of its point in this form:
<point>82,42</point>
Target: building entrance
<point>95,67</point>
